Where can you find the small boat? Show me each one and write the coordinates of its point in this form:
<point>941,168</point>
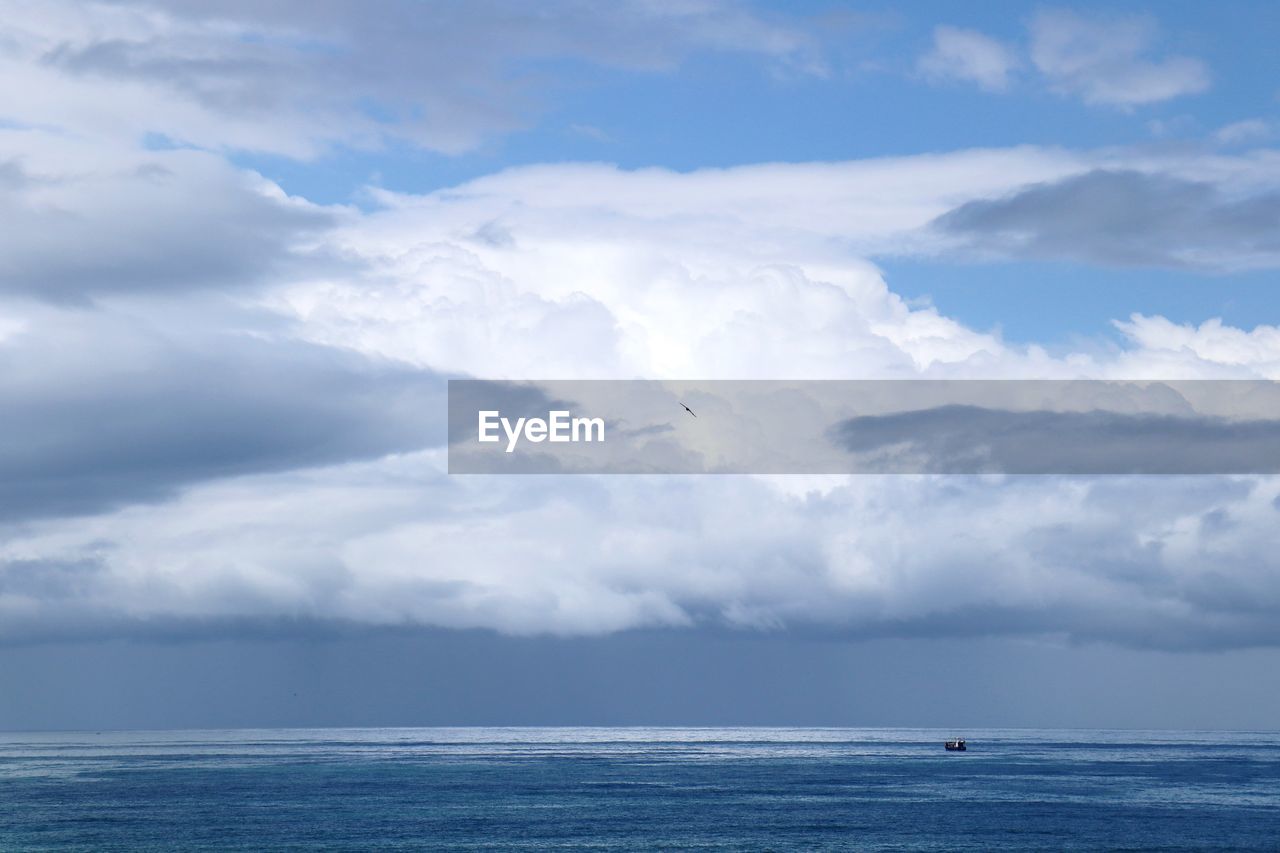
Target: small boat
<point>956,745</point>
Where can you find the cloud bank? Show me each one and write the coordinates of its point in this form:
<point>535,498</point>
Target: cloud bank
<point>221,401</point>
<point>330,516</point>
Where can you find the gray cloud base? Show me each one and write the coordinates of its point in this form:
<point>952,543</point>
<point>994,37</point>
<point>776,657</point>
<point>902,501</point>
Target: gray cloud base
<point>138,422</point>
<point>165,222</point>
<point>976,440</point>
<point>1124,218</point>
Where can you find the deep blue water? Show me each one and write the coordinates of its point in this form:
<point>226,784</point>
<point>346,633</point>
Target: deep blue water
<point>639,789</point>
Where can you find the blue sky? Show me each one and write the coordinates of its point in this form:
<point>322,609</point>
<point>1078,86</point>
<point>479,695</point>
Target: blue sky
<point>246,244</point>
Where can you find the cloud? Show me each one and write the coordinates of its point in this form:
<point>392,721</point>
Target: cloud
<point>222,404</point>
<point>756,272</point>
<point>742,273</point>
<point>1126,218</point>
<point>592,271</point>
<point>206,430</point>
<point>393,542</point>
<point>751,272</point>
<point>975,440</point>
<point>969,56</point>
<point>1211,341</point>
<point>1107,60</point>
<point>1244,132</point>
<point>84,221</point>
<point>295,77</point>
<point>101,412</point>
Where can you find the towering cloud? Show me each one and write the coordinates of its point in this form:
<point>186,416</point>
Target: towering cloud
<point>222,406</point>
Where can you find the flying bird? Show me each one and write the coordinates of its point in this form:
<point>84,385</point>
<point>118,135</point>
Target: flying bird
<point>687,409</point>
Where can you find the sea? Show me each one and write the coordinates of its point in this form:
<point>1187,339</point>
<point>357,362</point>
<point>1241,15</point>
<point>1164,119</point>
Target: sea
<point>639,789</point>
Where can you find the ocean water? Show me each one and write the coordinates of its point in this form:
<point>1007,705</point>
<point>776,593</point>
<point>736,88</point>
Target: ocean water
<point>639,789</point>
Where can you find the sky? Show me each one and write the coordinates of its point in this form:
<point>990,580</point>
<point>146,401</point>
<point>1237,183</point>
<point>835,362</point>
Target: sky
<point>245,245</point>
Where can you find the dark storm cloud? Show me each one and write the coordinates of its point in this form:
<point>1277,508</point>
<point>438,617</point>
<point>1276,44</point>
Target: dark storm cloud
<point>122,422</point>
<point>972,440</point>
<point>165,222</point>
<point>1125,218</point>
